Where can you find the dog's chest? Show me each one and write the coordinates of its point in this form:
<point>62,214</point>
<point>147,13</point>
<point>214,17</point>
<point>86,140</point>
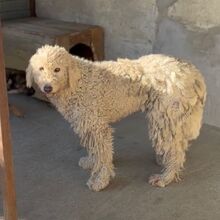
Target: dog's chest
<point>66,106</point>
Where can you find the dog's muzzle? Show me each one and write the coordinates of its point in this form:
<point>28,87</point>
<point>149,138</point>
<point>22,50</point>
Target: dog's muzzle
<point>48,89</point>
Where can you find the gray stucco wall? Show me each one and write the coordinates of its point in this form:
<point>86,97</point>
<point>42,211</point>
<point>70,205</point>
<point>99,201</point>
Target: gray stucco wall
<point>125,33</point>
<point>188,29</point>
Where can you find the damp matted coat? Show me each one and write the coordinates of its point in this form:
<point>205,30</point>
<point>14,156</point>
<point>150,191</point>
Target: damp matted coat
<point>92,95</point>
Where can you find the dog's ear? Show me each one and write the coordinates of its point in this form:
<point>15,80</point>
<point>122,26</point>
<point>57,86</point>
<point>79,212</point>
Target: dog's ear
<point>74,73</point>
<point>29,76</point>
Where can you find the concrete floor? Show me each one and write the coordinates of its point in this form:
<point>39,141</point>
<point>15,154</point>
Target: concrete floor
<point>51,186</point>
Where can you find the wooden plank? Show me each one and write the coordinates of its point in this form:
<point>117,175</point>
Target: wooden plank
<point>97,43</point>
<point>14,5</point>
<point>32,30</point>
<point>31,33</point>
<point>32,8</point>
<point>14,14</point>
<point>14,9</point>
<point>6,162</point>
<point>66,27</point>
<point>19,51</point>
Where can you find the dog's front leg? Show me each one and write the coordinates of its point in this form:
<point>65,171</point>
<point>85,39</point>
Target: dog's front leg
<point>98,140</point>
<point>87,162</point>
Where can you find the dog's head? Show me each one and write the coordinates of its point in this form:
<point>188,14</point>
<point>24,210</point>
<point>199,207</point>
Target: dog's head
<point>53,69</point>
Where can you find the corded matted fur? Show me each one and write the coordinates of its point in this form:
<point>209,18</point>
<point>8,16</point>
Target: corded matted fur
<point>92,95</point>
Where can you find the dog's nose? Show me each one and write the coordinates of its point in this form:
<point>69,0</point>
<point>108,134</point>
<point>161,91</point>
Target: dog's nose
<point>48,88</point>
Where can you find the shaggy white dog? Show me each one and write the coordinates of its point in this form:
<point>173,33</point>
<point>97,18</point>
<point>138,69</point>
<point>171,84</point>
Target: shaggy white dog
<point>92,95</point>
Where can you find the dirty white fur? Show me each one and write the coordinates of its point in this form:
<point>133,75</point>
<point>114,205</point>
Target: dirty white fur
<point>92,95</point>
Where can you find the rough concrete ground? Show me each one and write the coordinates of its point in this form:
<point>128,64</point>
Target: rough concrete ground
<point>51,186</point>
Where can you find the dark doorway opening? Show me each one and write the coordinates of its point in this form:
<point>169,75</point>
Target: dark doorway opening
<point>83,51</point>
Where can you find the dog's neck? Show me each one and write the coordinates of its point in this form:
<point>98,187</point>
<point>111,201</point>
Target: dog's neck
<point>61,97</point>
<point>67,103</point>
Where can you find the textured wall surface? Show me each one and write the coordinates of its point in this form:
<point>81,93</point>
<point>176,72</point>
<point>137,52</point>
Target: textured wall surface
<point>196,13</point>
<point>189,29</point>
<point>129,28</point>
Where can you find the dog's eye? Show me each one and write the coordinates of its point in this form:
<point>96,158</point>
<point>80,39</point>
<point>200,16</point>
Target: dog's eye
<point>57,70</point>
<point>41,68</point>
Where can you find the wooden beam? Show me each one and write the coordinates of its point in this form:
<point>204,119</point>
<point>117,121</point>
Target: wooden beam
<point>32,8</point>
<point>6,162</point>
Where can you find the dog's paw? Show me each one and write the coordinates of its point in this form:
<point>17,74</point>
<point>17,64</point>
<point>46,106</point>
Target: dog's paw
<point>162,180</point>
<point>157,180</point>
<point>97,184</point>
<point>86,162</point>
<point>100,180</point>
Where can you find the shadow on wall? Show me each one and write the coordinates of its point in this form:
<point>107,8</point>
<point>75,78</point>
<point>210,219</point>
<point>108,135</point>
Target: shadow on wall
<point>82,50</point>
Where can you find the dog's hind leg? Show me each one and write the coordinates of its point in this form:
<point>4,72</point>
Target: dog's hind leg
<point>159,159</point>
<point>172,161</point>
<point>169,142</point>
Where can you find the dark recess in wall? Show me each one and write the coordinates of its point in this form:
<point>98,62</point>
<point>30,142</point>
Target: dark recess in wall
<point>82,50</point>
